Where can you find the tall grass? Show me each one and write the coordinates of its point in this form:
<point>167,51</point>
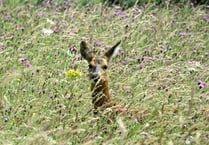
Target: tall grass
<point>160,75</point>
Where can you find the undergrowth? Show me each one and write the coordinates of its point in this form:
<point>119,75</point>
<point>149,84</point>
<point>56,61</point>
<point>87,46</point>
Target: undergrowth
<point>161,74</point>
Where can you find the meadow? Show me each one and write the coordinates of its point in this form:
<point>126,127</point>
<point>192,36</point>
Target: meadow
<point>160,75</point>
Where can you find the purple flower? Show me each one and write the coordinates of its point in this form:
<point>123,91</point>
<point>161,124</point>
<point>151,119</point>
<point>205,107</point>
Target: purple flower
<point>28,64</point>
<point>182,34</point>
<point>124,62</point>
<point>98,44</point>
<point>147,51</point>
<point>206,19</point>
<point>201,84</point>
<point>206,53</point>
<point>3,46</point>
<point>122,109</point>
<point>56,30</point>
<point>165,87</point>
<point>2,1</point>
<point>128,90</point>
<point>20,28</point>
<point>74,49</point>
<point>91,137</point>
<point>195,51</point>
<point>141,67</point>
<point>203,47</point>
<point>23,60</point>
<point>8,18</point>
<point>119,12</point>
<point>21,49</point>
<point>48,5</point>
<point>120,52</point>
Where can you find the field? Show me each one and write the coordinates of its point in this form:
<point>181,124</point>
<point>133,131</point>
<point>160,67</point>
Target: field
<point>160,75</point>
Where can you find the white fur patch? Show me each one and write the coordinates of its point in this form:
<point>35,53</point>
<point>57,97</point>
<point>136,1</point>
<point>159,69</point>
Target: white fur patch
<point>115,52</point>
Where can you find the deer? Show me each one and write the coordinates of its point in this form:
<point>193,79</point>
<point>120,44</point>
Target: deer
<point>98,74</point>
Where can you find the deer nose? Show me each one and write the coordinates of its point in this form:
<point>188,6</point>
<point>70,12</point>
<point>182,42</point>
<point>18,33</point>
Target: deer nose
<point>95,77</point>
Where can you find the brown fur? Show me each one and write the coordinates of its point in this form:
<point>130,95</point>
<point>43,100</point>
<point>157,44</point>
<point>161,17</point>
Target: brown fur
<point>98,74</point>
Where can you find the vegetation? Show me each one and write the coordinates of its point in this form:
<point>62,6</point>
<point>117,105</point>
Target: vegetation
<point>160,74</point>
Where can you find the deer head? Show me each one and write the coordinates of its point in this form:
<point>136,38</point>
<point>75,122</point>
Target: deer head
<point>98,65</point>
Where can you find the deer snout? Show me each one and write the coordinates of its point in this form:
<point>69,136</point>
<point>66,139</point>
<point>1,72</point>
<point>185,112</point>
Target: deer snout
<point>95,77</point>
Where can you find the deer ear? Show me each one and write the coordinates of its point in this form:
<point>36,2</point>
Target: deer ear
<point>112,52</point>
<point>85,52</point>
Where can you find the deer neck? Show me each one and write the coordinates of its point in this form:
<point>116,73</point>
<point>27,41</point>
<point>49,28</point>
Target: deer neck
<point>100,93</point>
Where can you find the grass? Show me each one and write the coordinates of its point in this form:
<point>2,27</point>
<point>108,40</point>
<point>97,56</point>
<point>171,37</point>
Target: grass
<point>160,75</point>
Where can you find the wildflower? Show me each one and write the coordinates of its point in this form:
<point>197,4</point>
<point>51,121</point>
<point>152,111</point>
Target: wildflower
<point>98,44</point>
<point>206,53</point>
<point>73,73</point>
<point>21,49</point>
<point>18,79</point>
<point>165,87</point>
<point>182,34</point>
<point>20,28</point>
<point>141,67</point>
<point>124,62</point>
<point>74,49</point>
<point>3,46</point>
<point>28,64</point>
<point>3,1</point>
<point>128,90</point>
<point>201,84</point>
<point>8,17</point>
<point>23,60</point>
<point>91,137</point>
<point>28,5</point>
<point>56,30</point>
<point>48,5</point>
<point>206,19</point>
<point>120,52</point>
<point>122,109</point>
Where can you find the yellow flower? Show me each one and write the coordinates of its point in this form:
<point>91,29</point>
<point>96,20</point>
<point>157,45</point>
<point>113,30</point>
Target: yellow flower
<point>73,73</point>
<point>18,79</point>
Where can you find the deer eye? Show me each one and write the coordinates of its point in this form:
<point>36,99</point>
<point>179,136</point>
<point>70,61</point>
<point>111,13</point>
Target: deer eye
<point>104,67</point>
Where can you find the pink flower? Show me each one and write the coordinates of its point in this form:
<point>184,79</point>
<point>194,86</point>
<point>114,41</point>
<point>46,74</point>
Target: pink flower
<point>98,44</point>
<point>28,64</point>
<point>201,84</point>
